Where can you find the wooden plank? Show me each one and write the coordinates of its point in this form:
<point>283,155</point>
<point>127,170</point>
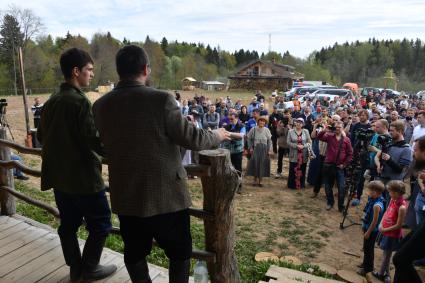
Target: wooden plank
<point>59,275</point>
<point>27,253</point>
<point>119,262</point>
<point>13,231</point>
<point>281,274</point>
<point>9,223</point>
<point>47,259</point>
<point>160,278</point>
<point>3,219</point>
<point>31,234</point>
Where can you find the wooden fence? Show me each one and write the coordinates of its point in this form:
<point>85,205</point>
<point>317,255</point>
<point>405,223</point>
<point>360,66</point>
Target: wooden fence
<point>219,184</point>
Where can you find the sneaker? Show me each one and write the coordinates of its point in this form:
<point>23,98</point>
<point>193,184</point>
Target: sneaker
<point>355,202</point>
<point>278,176</point>
<point>329,207</point>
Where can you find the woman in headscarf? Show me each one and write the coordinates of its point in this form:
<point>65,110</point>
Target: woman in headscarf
<point>299,142</point>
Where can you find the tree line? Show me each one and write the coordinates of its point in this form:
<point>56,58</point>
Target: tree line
<point>363,62</point>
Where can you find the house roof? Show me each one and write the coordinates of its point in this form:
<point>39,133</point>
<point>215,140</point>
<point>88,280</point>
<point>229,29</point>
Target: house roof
<point>212,83</point>
<point>283,71</point>
<point>190,79</point>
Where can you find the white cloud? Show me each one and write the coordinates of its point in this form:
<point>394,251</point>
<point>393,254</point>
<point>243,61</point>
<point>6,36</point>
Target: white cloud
<point>297,26</point>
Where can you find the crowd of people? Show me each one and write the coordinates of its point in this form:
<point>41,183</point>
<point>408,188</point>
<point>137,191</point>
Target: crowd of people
<point>363,140</point>
<point>381,137</point>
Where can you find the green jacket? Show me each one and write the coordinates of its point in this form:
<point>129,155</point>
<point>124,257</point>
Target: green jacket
<point>71,145</point>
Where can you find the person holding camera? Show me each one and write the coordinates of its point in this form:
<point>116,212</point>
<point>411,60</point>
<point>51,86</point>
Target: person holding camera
<point>409,124</point>
<point>397,158</point>
<point>338,155</point>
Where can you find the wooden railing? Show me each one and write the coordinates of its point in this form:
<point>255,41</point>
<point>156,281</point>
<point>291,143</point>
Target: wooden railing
<point>219,184</point>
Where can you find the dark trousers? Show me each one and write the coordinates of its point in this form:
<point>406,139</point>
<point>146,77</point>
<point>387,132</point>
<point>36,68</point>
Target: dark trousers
<point>360,182</point>
<point>274,142</point>
<point>319,180</point>
<point>171,231</point>
<point>332,173</point>
<point>236,159</point>
<point>369,252</point>
<point>280,154</point>
<point>411,248</point>
<point>93,208</point>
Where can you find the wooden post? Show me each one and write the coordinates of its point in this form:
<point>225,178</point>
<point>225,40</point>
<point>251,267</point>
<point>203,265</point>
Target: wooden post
<point>219,192</point>
<point>7,201</point>
<point>28,139</point>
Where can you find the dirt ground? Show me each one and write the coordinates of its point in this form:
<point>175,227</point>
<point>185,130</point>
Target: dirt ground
<point>286,222</point>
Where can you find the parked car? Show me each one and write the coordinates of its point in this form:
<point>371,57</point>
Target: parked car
<point>342,92</point>
<point>300,91</point>
<point>421,94</point>
<point>290,104</point>
<point>367,89</point>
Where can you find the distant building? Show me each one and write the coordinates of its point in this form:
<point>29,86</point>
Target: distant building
<point>264,75</point>
<point>212,85</point>
<point>189,83</point>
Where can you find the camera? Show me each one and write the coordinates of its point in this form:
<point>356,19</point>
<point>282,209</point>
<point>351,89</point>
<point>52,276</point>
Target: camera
<point>3,102</point>
<point>285,121</point>
<point>332,128</point>
<point>384,141</point>
<point>408,118</point>
<point>364,134</point>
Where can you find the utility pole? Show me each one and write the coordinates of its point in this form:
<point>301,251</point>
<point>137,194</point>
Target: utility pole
<point>270,42</point>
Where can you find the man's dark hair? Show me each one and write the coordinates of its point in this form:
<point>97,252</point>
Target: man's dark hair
<point>256,110</point>
<point>131,60</point>
<point>72,58</point>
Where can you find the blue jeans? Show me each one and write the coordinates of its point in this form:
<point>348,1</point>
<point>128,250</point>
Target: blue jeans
<point>419,205</point>
<point>16,172</point>
<point>93,208</point>
<point>332,173</point>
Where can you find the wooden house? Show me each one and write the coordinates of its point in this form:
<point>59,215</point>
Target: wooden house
<point>264,75</point>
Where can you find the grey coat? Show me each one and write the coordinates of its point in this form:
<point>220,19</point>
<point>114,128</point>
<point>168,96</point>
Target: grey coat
<point>292,143</point>
<point>142,129</point>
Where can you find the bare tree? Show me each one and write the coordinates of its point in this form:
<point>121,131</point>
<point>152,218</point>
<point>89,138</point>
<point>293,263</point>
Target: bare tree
<point>30,24</point>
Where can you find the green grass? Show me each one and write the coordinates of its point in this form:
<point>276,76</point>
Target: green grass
<point>246,246</point>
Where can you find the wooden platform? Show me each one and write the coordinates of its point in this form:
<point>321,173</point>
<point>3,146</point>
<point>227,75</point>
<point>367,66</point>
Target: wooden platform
<point>32,253</point>
<point>284,275</point>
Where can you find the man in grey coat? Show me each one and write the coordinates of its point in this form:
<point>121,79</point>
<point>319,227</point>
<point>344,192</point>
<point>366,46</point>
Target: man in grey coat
<point>146,177</point>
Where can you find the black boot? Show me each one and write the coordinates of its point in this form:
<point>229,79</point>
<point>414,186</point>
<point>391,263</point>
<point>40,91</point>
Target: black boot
<point>72,254</point>
<point>179,271</point>
<point>139,272</point>
<point>92,270</point>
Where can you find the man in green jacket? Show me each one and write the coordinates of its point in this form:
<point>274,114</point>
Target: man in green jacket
<point>72,167</point>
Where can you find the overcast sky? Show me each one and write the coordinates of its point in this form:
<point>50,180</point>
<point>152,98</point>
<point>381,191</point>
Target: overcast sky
<point>297,26</point>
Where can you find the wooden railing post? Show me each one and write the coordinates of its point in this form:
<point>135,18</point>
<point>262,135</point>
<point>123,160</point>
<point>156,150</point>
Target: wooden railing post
<point>7,201</point>
<point>219,191</point>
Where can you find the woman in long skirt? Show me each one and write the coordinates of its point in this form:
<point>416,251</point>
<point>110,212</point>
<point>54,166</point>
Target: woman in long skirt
<point>260,146</point>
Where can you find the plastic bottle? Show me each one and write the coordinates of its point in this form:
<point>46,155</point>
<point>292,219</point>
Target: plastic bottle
<point>200,273</point>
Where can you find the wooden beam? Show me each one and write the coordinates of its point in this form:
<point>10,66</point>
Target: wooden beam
<point>20,148</point>
<point>202,214</point>
<point>197,254</point>
<point>16,164</point>
<point>37,203</point>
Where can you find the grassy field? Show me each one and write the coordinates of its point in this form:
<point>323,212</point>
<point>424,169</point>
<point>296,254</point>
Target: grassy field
<point>272,219</point>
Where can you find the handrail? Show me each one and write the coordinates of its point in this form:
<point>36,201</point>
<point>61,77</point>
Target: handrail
<point>20,148</point>
<point>14,164</point>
